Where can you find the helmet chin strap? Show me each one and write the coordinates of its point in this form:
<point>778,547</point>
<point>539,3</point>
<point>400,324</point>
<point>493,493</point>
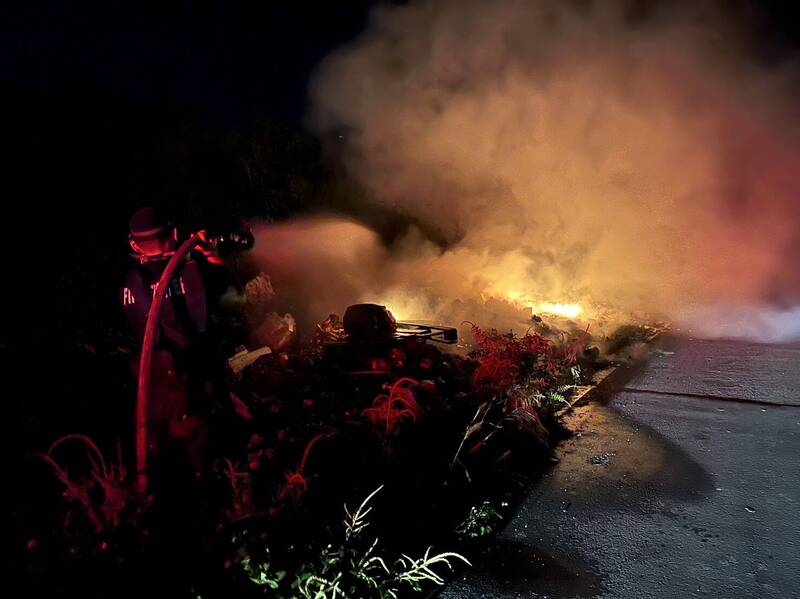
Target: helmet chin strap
<point>144,258</point>
<point>155,258</point>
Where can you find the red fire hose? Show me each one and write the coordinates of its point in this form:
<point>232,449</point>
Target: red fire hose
<point>146,361</point>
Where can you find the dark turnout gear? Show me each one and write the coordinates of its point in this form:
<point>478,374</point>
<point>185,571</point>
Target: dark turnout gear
<point>184,313</point>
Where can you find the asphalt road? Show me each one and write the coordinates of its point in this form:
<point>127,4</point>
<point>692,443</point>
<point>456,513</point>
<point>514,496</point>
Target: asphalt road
<point>666,492</point>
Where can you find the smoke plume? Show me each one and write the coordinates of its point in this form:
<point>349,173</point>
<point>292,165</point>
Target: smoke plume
<point>572,152</point>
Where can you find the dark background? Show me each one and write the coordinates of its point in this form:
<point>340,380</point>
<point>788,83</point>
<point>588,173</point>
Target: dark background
<point>196,107</point>
<point>115,105</point>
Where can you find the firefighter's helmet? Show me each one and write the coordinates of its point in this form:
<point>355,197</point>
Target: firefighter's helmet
<point>151,236</point>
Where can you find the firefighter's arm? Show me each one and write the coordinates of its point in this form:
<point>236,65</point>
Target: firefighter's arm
<point>205,247</point>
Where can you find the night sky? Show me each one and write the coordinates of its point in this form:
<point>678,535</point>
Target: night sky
<point>225,61</point>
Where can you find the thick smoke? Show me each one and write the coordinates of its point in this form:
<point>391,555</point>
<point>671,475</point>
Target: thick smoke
<point>573,152</point>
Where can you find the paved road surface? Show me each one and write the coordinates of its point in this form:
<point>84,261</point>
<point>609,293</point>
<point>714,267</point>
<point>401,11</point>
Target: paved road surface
<point>665,494</point>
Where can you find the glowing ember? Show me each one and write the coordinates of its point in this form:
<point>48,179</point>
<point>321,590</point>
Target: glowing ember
<point>556,309</point>
<point>567,310</point>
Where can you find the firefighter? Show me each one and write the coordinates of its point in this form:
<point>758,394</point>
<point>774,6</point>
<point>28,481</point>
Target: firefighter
<point>185,310</point>
<point>187,376</point>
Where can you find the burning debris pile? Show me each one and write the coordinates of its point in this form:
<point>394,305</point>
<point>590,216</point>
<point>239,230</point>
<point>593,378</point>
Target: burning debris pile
<point>364,402</point>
